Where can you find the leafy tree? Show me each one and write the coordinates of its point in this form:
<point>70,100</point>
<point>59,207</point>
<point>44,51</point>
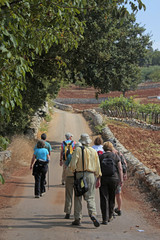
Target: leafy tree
<point>150,73</point>
<point>156,57</point>
<point>108,57</point>
<point>29,29</point>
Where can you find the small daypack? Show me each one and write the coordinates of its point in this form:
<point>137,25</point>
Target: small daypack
<point>100,152</point>
<point>108,166</point>
<point>68,149</point>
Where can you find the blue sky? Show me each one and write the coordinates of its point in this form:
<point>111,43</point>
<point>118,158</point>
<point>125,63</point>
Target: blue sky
<point>150,19</point>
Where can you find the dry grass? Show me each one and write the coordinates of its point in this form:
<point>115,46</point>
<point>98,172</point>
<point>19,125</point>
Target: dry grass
<point>21,153</point>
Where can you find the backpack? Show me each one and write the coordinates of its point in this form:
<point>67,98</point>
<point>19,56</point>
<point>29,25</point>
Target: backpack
<point>108,167</point>
<point>68,149</point>
<point>99,152</point>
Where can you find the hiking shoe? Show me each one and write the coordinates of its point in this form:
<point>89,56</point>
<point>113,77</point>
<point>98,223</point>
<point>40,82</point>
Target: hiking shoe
<point>95,221</point>
<point>104,222</point>
<point>67,216</point>
<point>37,196</point>
<point>42,194</point>
<point>119,213</point>
<point>76,222</point>
<point>111,219</point>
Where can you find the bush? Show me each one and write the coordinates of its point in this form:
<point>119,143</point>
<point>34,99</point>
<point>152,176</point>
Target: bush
<point>4,142</point>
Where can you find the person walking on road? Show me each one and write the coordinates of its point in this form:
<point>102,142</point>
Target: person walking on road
<point>118,209</point>
<point>40,160</point>
<point>67,147</point>
<point>91,170</point>
<point>69,185</point>
<point>47,144</point>
<point>111,172</point>
<point>98,145</point>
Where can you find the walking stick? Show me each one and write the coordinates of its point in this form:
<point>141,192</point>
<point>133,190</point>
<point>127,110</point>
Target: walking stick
<point>48,177</point>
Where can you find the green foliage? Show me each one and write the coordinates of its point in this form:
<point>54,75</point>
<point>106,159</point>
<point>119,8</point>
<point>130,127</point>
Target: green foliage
<point>151,73</point>
<point>35,35</point>
<point>99,128</point>
<point>128,108</point>
<point>4,142</point>
<point>2,179</point>
<point>108,56</point>
<point>52,21</point>
<point>48,118</point>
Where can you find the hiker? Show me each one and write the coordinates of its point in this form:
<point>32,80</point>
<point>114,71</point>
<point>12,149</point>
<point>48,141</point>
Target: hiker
<point>69,185</point>
<point>98,145</point>
<point>40,160</point>
<point>111,171</point>
<point>47,144</point>
<point>67,147</point>
<point>91,170</point>
<point>118,210</point>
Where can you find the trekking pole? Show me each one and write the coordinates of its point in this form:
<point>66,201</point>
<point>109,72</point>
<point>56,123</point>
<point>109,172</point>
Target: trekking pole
<point>48,177</point>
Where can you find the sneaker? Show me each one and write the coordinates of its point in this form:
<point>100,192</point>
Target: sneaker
<point>104,222</point>
<point>67,216</point>
<point>42,194</point>
<point>76,222</point>
<point>111,219</point>
<point>95,221</point>
<point>37,196</point>
<point>119,213</point>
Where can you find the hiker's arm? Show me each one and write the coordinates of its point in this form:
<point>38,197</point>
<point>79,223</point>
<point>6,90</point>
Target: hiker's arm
<point>61,158</point>
<point>120,172</point>
<point>48,157</point>
<point>98,182</point>
<point>32,160</point>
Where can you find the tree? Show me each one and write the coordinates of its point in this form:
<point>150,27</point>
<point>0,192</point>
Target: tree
<point>108,57</point>
<point>30,28</point>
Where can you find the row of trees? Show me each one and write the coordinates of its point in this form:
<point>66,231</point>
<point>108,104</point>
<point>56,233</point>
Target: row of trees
<point>127,108</point>
<point>45,44</point>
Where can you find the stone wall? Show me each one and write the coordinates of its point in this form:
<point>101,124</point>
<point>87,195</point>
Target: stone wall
<point>141,173</point>
<point>62,106</point>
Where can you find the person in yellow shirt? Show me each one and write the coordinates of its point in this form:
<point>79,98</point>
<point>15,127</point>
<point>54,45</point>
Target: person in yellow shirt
<point>92,173</point>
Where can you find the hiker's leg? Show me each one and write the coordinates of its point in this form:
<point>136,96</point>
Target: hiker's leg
<point>118,198</point>
<point>43,178</point>
<point>64,173</point>
<point>37,177</point>
<point>68,194</point>
<point>112,188</point>
<point>89,196</point>
<point>103,190</point>
<point>78,207</point>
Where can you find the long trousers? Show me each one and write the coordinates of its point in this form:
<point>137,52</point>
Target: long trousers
<point>107,197</point>
<point>89,196</point>
<point>68,194</point>
<point>40,179</point>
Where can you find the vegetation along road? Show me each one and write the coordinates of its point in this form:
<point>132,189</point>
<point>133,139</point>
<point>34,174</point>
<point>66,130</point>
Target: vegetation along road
<point>24,217</point>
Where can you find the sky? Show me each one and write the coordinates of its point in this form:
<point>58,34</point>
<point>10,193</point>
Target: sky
<point>150,19</point>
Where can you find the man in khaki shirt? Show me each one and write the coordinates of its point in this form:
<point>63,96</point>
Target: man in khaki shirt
<point>92,172</point>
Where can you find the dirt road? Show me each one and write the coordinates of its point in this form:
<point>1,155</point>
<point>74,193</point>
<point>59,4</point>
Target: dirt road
<point>43,219</point>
